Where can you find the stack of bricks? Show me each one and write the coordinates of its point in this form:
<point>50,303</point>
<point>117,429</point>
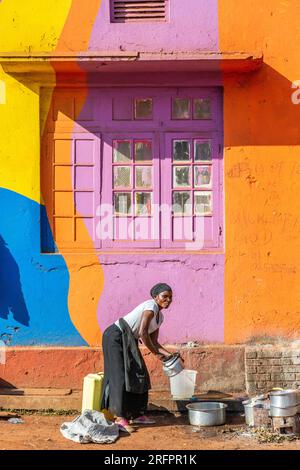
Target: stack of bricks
<point>269,367</point>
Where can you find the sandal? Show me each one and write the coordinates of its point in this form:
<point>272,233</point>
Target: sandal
<point>124,425</point>
<point>143,420</point>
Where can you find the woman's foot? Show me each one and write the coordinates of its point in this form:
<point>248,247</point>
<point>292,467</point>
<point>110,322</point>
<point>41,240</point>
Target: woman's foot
<point>143,420</point>
<point>124,425</point>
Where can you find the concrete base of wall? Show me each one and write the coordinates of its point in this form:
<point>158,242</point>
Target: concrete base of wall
<point>44,378</point>
<point>51,378</point>
<point>219,367</point>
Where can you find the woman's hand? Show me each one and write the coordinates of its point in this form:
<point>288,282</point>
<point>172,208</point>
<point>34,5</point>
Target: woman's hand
<point>163,357</point>
<point>179,355</point>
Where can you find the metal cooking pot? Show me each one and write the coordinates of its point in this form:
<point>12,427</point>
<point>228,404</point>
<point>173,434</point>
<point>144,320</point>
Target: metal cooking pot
<point>282,412</point>
<point>207,413</point>
<point>285,398</point>
<point>249,406</point>
<point>249,412</point>
<point>173,365</point>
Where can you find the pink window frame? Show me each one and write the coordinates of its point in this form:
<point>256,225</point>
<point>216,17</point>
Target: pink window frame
<point>162,113</point>
<point>72,137</point>
<point>167,189</point>
<point>107,187</point>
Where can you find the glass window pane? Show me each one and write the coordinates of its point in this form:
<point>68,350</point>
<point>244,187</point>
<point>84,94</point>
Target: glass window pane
<point>182,202</point>
<point>181,108</point>
<point>84,177</point>
<point>181,176</point>
<point>202,176</point>
<point>64,229</point>
<point>181,150</point>
<point>84,203</point>
<point>143,108</point>
<point>203,202</point>
<point>122,108</point>
<point>122,203</point>
<point>64,203</point>
<point>122,177</point>
<point>143,177</point>
<point>63,177</point>
<point>122,151</point>
<point>143,150</point>
<point>84,151</point>
<point>203,151</point>
<point>143,203</point>
<point>202,109</point>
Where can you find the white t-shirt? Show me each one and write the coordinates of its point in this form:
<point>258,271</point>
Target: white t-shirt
<point>134,317</point>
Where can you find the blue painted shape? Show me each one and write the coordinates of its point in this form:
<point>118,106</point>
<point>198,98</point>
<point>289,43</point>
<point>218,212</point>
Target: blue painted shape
<point>33,286</point>
<point>11,298</point>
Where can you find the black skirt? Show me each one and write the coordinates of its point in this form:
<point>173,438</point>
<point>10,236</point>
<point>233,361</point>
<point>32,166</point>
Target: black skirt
<point>115,398</point>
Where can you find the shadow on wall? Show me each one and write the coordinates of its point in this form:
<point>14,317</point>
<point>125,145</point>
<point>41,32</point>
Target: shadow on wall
<point>11,295</point>
<point>5,384</point>
<point>264,112</point>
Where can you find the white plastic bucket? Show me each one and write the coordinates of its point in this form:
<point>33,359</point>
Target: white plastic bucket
<point>183,384</point>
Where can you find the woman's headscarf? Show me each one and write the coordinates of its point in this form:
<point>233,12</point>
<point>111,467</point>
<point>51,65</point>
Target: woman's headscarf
<point>159,288</point>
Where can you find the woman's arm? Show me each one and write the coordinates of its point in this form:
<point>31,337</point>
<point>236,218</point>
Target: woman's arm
<point>154,339</point>
<point>147,339</point>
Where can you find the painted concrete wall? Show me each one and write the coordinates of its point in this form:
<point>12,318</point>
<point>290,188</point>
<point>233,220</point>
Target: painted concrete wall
<point>69,298</point>
<point>261,132</point>
<point>192,25</point>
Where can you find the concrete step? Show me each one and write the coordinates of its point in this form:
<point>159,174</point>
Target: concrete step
<point>41,399</point>
<point>67,399</point>
<point>36,391</point>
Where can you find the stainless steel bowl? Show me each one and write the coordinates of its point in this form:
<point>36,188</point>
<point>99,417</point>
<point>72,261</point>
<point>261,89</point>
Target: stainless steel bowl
<point>283,412</point>
<point>207,413</point>
<point>173,365</point>
<point>285,398</point>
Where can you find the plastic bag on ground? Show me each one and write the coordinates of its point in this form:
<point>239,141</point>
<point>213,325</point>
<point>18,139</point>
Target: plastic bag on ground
<point>90,426</point>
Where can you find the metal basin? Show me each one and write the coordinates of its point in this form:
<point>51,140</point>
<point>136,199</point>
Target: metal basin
<point>173,365</point>
<point>281,412</point>
<point>285,399</point>
<point>207,413</point>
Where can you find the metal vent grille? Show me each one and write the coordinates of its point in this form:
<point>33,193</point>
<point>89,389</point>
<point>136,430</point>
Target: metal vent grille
<point>138,10</point>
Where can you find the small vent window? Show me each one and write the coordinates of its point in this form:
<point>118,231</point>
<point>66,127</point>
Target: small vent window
<point>138,10</point>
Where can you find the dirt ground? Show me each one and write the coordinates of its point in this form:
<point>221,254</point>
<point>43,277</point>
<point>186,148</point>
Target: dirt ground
<point>40,432</point>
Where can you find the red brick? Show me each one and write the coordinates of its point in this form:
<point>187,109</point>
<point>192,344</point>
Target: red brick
<point>269,353</point>
<point>266,369</point>
<point>289,376</point>
<point>279,361</point>
<point>251,354</point>
<point>258,377</point>
<point>291,353</point>
<point>256,362</point>
<point>277,376</point>
<point>292,369</point>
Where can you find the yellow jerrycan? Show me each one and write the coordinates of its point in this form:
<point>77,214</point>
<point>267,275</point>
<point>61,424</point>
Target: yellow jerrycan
<point>92,393</point>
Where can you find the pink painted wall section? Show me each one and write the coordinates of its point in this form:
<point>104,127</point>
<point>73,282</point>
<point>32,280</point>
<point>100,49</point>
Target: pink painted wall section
<point>197,311</point>
<point>192,26</point>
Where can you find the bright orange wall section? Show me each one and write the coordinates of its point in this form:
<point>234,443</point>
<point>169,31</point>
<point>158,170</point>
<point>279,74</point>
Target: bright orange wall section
<point>262,171</point>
